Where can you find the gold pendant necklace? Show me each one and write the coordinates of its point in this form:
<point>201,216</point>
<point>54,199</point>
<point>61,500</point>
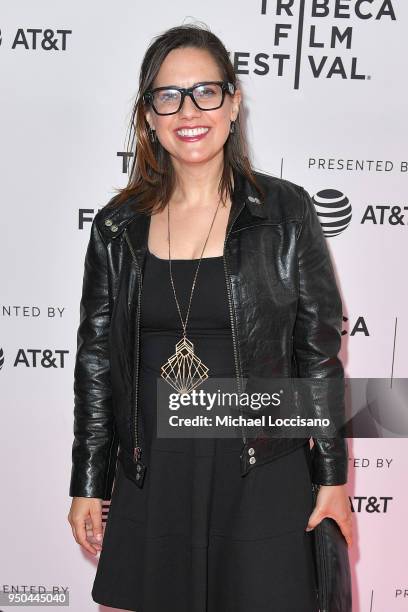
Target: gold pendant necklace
<point>184,371</point>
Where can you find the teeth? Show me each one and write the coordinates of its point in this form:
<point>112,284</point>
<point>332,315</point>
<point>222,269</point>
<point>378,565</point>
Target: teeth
<point>192,132</point>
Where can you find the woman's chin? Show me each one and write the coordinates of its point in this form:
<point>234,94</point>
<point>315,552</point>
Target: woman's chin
<point>196,157</point>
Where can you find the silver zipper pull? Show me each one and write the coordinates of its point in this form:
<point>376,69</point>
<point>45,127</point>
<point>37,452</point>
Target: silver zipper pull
<point>137,451</point>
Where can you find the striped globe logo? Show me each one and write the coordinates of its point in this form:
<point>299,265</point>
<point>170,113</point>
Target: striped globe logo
<point>334,211</point>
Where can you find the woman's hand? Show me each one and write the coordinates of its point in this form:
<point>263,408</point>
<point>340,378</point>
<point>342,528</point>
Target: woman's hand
<point>85,518</point>
<point>333,501</point>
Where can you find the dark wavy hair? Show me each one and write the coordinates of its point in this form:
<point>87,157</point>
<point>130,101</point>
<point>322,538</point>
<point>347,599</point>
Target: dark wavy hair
<point>152,176</point>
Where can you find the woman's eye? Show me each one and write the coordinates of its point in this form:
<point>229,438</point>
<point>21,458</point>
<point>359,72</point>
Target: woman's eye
<point>205,92</point>
<point>168,96</point>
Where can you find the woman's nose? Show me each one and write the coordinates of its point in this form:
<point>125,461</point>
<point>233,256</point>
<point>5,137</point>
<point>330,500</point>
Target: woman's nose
<point>189,108</point>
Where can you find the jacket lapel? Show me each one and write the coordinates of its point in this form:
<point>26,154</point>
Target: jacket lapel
<point>247,203</point>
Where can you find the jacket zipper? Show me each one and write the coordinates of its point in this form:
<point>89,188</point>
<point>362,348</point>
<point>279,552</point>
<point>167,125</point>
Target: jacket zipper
<point>232,320</point>
<point>137,451</point>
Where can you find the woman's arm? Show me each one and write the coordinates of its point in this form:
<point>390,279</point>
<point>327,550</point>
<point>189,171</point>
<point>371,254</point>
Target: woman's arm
<point>317,341</point>
<point>94,435</point>
<point>93,416</point>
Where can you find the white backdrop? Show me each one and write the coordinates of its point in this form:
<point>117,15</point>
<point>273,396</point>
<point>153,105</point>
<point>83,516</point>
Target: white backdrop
<point>65,110</point>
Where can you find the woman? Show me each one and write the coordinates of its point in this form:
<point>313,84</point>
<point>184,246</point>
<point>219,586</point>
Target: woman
<point>201,524</point>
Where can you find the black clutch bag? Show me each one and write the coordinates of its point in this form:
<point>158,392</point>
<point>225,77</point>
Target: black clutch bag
<point>331,564</point>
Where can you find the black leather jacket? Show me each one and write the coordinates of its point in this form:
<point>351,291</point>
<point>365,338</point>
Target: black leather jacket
<point>286,317</point>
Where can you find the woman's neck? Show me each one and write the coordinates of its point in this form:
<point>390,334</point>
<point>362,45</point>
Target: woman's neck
<point>197,184</point>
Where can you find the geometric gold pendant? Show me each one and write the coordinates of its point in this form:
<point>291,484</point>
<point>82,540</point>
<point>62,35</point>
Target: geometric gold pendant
<point>184,371</point>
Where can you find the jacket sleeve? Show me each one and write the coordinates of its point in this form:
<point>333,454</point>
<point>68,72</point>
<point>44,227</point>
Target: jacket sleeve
<point>94,434</point>
<point>317,341</point>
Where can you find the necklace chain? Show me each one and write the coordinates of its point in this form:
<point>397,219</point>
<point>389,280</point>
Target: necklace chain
<point>184,323</point>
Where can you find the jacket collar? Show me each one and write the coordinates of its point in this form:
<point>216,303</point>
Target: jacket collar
<point>247,209</point>
<point>247,200</point>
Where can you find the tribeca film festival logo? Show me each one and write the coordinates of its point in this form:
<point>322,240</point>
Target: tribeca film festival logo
<point>37,358</point>
<point>298,46</point>
<point>33,39</point>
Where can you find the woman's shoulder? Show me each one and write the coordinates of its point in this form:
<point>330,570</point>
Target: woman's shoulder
<point>274,181</point>
<point>112,219</point>
<point>283,197</point>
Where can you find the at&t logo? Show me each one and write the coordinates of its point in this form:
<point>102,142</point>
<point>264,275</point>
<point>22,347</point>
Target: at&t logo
<point>334,211</point>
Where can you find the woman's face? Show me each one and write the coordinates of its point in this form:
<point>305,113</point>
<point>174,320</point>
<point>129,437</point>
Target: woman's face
<point>185,67</point>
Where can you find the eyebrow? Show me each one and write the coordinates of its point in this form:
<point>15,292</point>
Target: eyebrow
<point>179,86</point>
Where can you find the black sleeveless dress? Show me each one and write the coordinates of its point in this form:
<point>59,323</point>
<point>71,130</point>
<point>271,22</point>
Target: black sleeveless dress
<point>198,537</point>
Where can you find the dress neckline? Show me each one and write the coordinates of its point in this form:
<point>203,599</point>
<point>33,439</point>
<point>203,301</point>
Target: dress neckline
<point>177,260</point>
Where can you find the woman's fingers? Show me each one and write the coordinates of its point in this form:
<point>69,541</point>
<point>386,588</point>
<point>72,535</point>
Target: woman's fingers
<point>346,526</point>
<point>86,511</point>
<point>332,501</point>
<point>344,522</point>
<point>82,539</point>
<point>315,518</point>
<point>73,532</point>
<point>96,527</point>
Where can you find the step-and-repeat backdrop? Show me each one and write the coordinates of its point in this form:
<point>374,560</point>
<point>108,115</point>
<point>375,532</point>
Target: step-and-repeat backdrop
<point>325,92</point>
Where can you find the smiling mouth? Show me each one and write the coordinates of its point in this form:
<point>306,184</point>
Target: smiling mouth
<point>191,132</point>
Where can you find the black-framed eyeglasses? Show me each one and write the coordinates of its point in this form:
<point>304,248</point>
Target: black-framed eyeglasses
<point>206,95</point>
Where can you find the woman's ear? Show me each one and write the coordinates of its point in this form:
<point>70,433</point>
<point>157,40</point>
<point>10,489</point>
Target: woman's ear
<point>149,119</point>
<point>236,100</point>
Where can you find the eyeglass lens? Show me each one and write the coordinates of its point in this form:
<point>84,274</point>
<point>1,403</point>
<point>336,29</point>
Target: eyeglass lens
<point>207,97</point>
